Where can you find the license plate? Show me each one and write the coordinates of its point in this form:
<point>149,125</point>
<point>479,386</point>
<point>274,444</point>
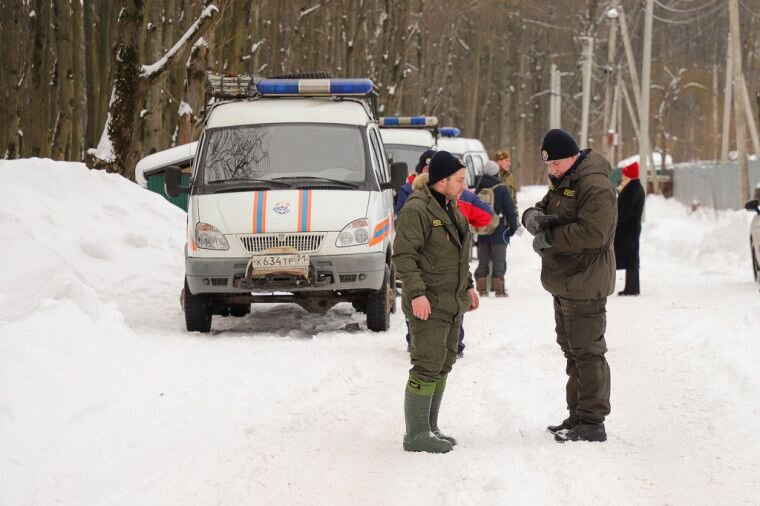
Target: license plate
<point>280,263</point>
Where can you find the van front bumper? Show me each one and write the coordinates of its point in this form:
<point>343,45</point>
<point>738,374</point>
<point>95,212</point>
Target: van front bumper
<point>332,272</point>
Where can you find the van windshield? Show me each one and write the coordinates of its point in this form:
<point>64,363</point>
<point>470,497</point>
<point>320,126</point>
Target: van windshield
<point>406,153</point>
<point>285,152</point>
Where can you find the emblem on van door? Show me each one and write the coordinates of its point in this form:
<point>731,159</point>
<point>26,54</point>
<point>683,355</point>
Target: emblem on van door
<point>281,207</point>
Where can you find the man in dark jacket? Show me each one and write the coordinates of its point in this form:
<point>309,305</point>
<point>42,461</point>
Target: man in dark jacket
<point>574,227</point>
<point>630,208</point>
<point>405,191</point>
<point>493,247</point>
<point>431,255</point>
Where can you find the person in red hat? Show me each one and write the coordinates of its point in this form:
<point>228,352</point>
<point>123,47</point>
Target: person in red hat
<point>630,208</point>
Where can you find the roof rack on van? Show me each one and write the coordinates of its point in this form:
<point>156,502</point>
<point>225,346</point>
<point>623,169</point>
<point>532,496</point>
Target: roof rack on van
<point>408,121</point>
<point>449,131</point>
<point>224,86</point>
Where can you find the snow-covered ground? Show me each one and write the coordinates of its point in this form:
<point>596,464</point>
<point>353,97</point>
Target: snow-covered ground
<point>105,399</point>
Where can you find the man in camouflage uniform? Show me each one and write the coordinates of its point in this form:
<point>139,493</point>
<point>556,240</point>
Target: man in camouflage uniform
<point>574,228</point>
<point>502,158</point>
<point>431,255</point>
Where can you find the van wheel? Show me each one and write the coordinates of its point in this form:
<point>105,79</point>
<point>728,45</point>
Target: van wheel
<point>197,312</point>
<point>240,309</point>
<point>755,265</point>
<point>379,303</point>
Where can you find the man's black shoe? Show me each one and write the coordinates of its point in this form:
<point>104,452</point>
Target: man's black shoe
<point>567,423</point>
<point>623,293</point>
<point>594,433</point>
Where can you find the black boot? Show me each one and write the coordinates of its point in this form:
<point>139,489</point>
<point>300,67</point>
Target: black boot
<point>631,282</point>
<point>568,423</point>
<point>594,433</point>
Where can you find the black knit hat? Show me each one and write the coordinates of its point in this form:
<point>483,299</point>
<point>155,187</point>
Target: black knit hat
<point>557,145</point>
<point>442,165</point>
<point>424,159</point>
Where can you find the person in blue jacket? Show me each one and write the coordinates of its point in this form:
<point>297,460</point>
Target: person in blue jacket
<point>477,212</point>
<point>493,247</point>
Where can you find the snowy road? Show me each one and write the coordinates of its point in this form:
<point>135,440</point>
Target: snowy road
<point>105,400</point>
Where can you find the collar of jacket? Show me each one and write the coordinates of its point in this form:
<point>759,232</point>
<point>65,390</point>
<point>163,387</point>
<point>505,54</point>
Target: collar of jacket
<point>487,181</point>
<point>568,177</point>
<point>435,207</point>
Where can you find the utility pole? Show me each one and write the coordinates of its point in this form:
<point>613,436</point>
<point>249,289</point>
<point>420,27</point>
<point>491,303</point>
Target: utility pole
<point>715,107</point>
<point>739,117</point>
<point>608,131</point>
<point>646,72</point>
<point>554,107</point>
<point>750,119</point>
<point>619,101</point>
<point>727,102</point>
<point>612,131</point>
<point>587,57</point>
<point>629,57</point>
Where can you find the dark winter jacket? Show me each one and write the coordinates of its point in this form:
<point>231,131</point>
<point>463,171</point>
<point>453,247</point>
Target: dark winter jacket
<point>504,207</point>
<point>580,264</point>
<point>630,206</point>
<point>430,257</point>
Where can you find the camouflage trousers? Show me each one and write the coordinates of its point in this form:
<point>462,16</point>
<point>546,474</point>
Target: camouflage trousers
<point>433,347</point>
<point>580,326</point>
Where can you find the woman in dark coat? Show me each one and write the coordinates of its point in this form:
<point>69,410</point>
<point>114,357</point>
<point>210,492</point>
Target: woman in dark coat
<point>630,208</point>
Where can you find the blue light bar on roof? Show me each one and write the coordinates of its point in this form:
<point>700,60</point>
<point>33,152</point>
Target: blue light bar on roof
<point>315,87</point>
<point>408,121</point>
<point>449,131</point>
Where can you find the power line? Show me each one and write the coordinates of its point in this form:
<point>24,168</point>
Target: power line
<point>717,9</point>
<point>685,11</point>
<point>751,12</point>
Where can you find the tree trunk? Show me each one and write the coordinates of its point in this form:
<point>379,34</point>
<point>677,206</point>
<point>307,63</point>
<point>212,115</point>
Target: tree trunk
<point>151,116</point>
<point>92,84</point>
<point>12,40</point>
<point>76,113</point>
<point>61,146</point>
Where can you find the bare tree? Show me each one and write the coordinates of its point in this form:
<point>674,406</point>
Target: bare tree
<point>61,147</point>
<point>120,147</point>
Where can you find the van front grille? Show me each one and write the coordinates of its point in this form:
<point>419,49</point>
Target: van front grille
<point>304,243</point>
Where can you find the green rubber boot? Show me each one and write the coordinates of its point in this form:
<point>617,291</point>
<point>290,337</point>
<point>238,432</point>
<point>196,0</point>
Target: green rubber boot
<point>435,406</point>
<point>418,438</point>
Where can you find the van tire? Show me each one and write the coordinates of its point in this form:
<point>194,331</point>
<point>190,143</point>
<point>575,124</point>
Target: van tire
<point>198,312</point>
<point>304,75</point>
<point>379,305</point>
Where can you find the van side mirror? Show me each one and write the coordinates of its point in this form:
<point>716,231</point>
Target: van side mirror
<point>173,178</point>
<point>752,205</point>
<point>399,172</point>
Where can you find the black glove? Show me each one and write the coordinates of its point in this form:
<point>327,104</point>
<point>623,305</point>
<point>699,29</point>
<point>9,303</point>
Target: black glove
<point>535,220</point>
<point>542,242</point>
<point>547,221</point>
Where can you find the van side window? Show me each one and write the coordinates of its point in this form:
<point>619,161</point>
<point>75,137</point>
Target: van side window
<point>382,164</point>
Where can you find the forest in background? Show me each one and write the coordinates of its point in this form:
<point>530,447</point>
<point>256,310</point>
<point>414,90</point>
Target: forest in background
<point>480,65</point>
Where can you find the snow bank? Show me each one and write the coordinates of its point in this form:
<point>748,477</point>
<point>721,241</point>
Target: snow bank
<point>105,399</point>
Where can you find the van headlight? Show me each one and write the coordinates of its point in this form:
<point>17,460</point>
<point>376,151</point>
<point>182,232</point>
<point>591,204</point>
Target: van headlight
<point>354,234</point>
<point>209,237</point>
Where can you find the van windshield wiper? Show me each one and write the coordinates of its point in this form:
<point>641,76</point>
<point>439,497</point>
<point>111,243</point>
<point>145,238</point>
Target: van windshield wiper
<point>320,179</point>
<point>246,181</point>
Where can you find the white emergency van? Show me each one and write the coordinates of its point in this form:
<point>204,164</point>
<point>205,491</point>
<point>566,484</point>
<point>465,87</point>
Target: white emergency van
<point>407,137</point>
<point>290,200</point>
<point>470,150</point>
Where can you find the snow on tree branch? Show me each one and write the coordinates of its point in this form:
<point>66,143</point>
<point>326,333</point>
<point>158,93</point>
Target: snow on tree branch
<point>152,71</point>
